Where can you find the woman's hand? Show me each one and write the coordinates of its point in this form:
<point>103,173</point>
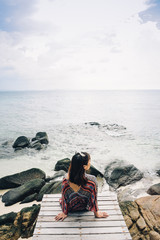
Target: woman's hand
<point>61,216</point>
<point>101,214</point>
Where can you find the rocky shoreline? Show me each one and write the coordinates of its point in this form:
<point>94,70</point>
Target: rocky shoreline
<point>142,214</point>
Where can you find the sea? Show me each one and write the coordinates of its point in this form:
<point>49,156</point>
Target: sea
<point>109,125</point>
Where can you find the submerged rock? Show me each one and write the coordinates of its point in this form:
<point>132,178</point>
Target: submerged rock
<point>154,189</point>
<point>93,123</point>
<point>118,173</point>
<point>21,142</point>
<point>158,172</point>
<point>65,163</point>
<point>42,137</point>
<point>114,127</point>
<point>20,193</point>
<point>36,145</point>
<point>37,142</point>
<point>18,179</point>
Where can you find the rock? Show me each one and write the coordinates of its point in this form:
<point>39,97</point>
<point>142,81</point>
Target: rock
<point>154,235</point>
<point>154,189</point>
<point>21,142</point>
<point>93,123</point>
<point>50,188</point>
<point>42,137</point>
<point>57,188</point>
<point>128,221</point>
<point>19,179</point>
<point>30,198</point>
<point>7,218</point>
<point>150,210</point>
<point>141,223</point>
<point>56,175</point>
<point>158,172</point>
<point>36,145</point>
<point>26,220</point>
<point>114,127</point>
<point>9,232</point>
<point>20,193</point>
<point>144,213</point>
<point>64,165</point>
<point>128,193</point>
<point>118,173</point>
<point>21,224</point>
<point>46,189</point>
<point>5,144</point>
<point>18,148</point>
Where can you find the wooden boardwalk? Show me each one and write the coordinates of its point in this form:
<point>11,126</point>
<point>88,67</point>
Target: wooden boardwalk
<point>81,226</point>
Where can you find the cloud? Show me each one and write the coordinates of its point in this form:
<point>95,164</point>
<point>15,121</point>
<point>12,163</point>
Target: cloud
<point>83,44</point>
<point>152,13</point>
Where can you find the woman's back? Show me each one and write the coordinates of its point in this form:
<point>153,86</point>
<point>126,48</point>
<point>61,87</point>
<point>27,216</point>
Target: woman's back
<point>79,190</point>
<point>84,198</point>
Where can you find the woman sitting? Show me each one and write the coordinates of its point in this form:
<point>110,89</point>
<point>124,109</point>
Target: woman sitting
<point>79,190</point>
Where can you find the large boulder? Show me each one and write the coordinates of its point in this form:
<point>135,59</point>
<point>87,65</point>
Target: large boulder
<point>65,163</point>
<point>20,193</point>
<point>62,165</point>
<point>154,189</point>
<point>26,220</point>
<point>118,173</point>
<point>18,179</point>
<point>21,224</point>
<point>30,198</point>
<point>21,142</point>
<point>50,188</point>
<point>143,217</point>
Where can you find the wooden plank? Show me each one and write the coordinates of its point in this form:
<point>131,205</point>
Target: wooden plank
<point>82,231</point>
<point>86,224</point>
<point>99,194</point>
<point>56,237</point>
<point>81,218</point>
<point>58,208</point>
<point>105,198</point>
<point>100,203</point>
<point>112,236</point>
<point>87,213</point>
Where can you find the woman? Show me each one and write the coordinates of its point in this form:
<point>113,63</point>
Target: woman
<point>79,190</point>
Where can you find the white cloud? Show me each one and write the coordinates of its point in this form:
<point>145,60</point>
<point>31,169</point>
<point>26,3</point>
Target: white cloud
<point>82,44</point>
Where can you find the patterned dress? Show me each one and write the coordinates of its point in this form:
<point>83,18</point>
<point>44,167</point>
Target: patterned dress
<point>84,199</point>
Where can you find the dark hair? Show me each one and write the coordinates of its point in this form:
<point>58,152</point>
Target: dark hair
<point>76,169</point>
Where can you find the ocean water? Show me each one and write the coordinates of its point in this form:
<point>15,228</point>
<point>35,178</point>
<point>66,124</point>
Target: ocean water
<point>129,127</point>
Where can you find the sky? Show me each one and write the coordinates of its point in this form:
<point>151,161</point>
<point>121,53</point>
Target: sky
<point>79,44</point>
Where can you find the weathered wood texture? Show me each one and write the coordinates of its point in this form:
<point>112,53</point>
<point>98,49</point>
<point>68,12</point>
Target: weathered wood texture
<point>81,225</point>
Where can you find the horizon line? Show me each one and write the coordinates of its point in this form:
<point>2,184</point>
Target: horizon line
<point>51,90</point>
